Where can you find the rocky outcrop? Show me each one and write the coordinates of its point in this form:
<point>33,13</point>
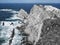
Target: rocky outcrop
<point>37,15</point>
<point>35,20</point>
<point>30,29</point>
<point>22,14</point>
<point>52,10</point>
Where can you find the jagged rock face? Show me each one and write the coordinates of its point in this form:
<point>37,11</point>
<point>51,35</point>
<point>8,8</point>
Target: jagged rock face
<point>35,26</point>
<point>50,32</point>
<point>22,14</point>
<point>35,22</point>
<point>52,10</point>
<point>35,19</point>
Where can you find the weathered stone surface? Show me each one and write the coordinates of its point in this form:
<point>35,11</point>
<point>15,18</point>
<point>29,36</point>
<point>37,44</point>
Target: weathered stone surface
<point>35,21</point>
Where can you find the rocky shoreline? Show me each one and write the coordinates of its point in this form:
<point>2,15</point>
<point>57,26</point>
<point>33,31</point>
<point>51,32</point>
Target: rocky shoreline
<point>39,27</point>
<point>35,21</point>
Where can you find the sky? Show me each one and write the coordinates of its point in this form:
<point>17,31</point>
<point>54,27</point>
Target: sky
<point>29,1</point>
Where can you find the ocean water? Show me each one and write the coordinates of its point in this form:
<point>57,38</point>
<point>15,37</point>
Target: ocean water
<point>9,11</point>
<point>17,7</point>
<point>26,7</point>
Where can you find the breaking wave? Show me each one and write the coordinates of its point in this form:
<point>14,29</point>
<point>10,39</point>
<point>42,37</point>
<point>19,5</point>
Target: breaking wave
<point>9,10</point>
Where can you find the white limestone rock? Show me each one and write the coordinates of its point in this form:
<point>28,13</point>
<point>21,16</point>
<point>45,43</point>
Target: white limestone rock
<point>37,15</point>
<point>22,14</point>
<point>52,10</point>
<point>35,21</point>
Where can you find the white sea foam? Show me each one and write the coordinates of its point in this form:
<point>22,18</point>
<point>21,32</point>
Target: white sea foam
<point>9,10</point>
<point>7,29</point>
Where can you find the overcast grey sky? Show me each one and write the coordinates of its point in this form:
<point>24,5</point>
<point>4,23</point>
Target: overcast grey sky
<point>29,1</point>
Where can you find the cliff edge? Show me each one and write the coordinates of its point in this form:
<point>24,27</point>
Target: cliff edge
<point>35,20</point>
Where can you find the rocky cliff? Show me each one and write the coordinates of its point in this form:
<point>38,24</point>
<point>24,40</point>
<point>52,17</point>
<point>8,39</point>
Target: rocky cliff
<point>35,20</point>
<point>40,27</point>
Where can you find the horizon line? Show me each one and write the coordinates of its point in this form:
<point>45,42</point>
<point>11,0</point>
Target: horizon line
<point>28,3</point>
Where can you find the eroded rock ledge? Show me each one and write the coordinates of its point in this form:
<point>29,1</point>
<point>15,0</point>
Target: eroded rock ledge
<point>36,23</point>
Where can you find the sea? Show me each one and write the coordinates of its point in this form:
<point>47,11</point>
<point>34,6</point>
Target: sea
<point>17,7</point>
<point>7,10</point>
